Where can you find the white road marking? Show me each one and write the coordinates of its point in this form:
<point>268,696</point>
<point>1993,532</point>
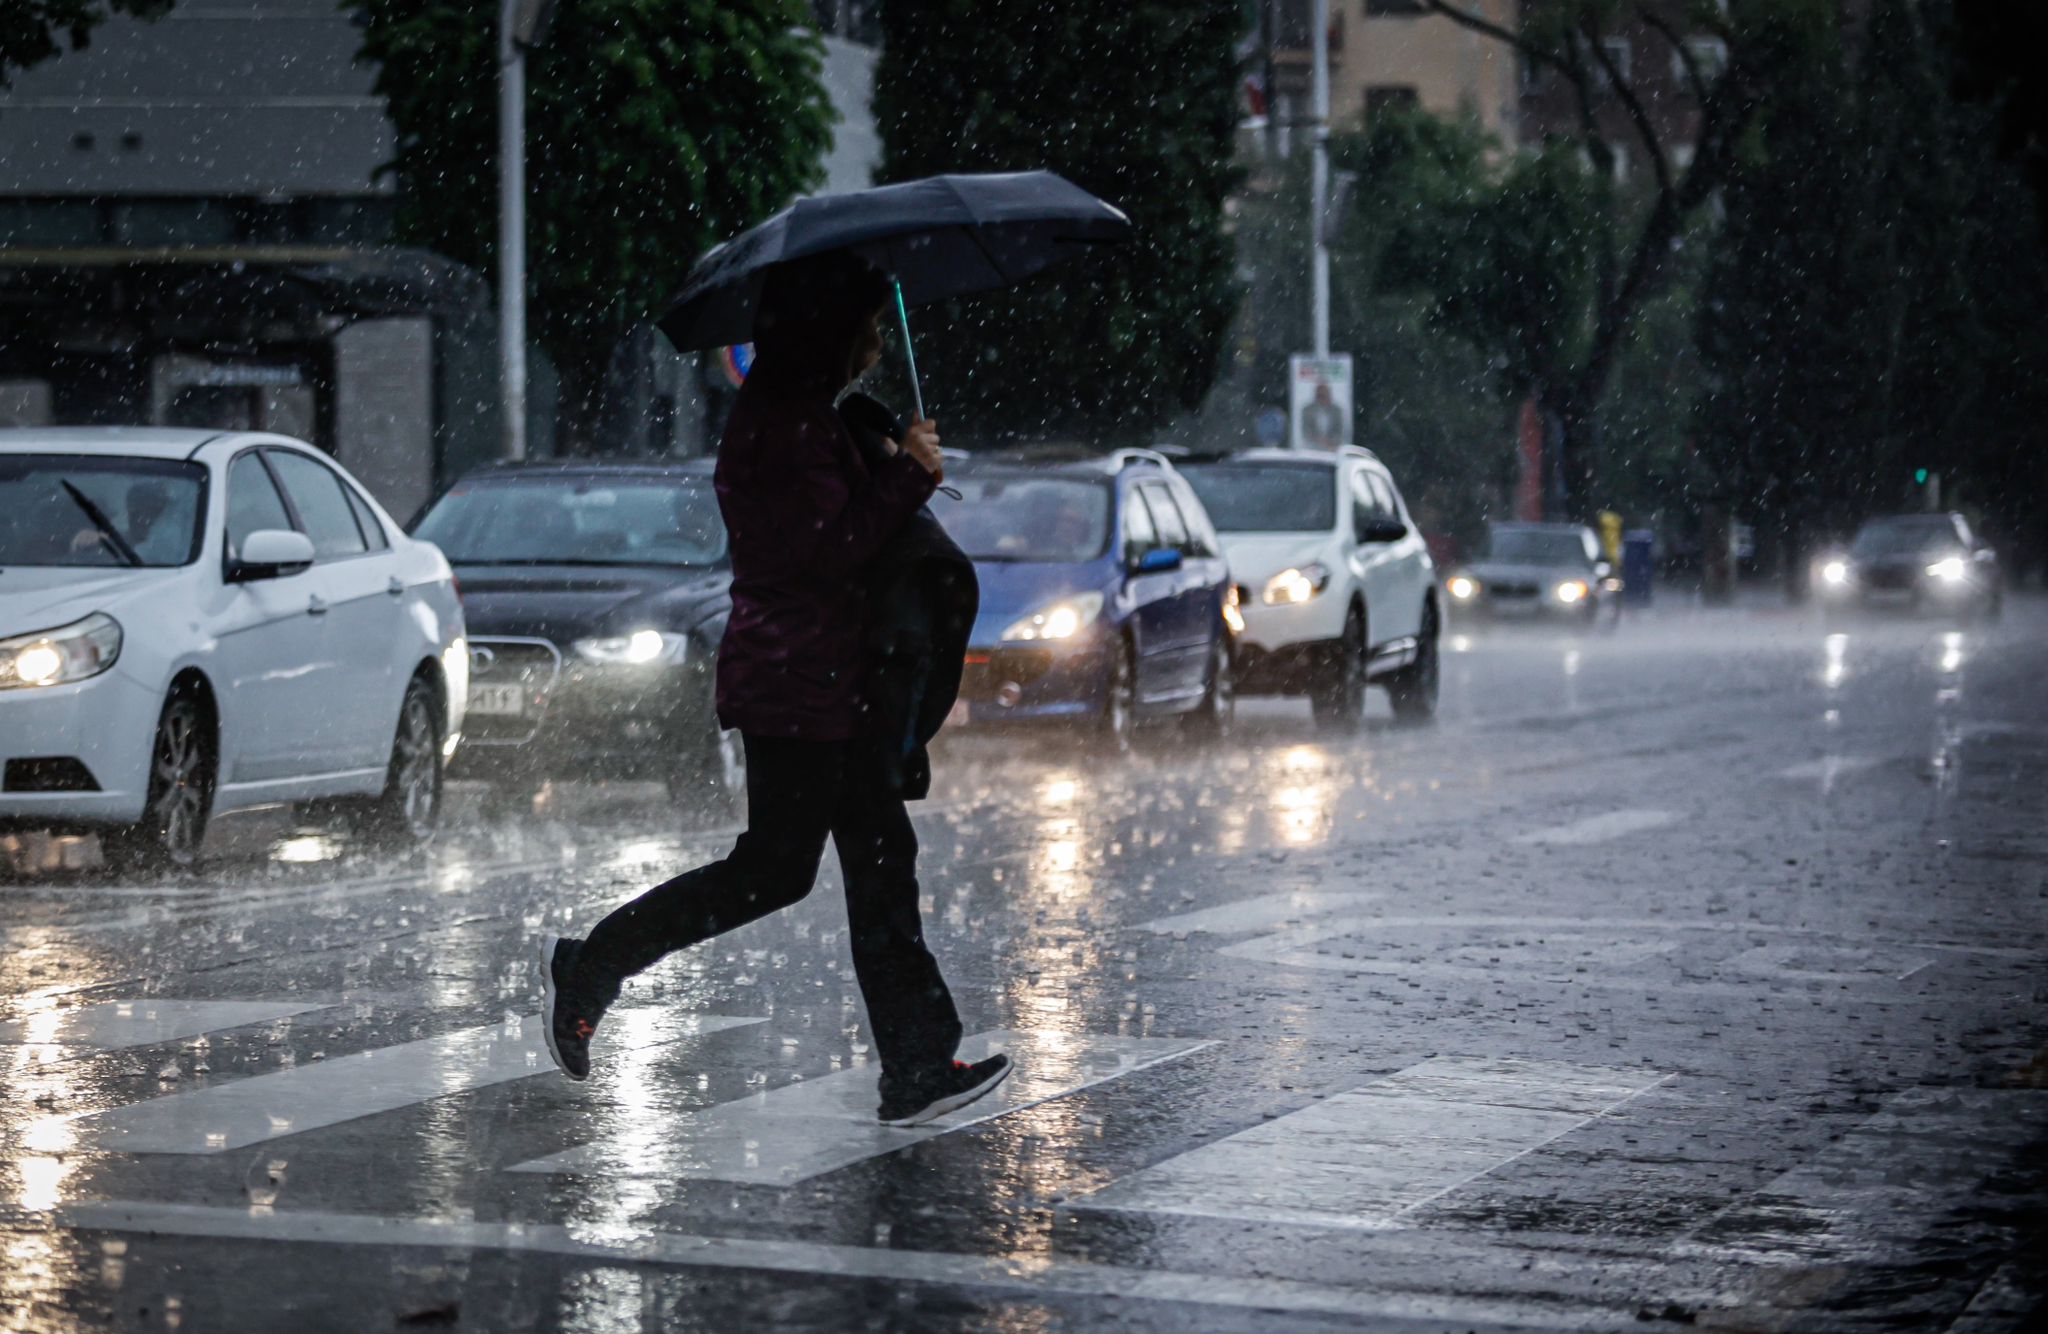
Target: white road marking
<point>1875,1193</point>
<point>310,1097</point>
<point>1598,828</point>
<point>1029,1275</point>
<point>802,1130</point>
<point>59,1034</point>
<point>1261,914</point>
<point>1367,1157</point>
<point>1828,768</point>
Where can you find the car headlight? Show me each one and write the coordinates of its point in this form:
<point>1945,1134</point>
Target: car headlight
<point>1462,587</point>
<point>1835,573</point>
<point>1233,613</point>
<point>637,649</point>
<point>1296,584</point>
<point>1950,569</point>
<point>1570,591</point>
<point>56,657</point>
<point>1060,620</point>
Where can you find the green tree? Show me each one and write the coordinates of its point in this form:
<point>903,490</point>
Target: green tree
<point>33,31</point>
<point>1135,100</point>
<point>655,128</point>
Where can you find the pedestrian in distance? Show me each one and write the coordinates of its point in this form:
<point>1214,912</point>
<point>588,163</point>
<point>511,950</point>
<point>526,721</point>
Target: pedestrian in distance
<point>812,517</point>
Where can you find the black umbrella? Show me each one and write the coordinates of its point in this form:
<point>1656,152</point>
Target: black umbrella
<point>940,237</point>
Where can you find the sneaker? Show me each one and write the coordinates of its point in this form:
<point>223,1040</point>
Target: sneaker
<point>568,1033</point>
<point>928,1096</point>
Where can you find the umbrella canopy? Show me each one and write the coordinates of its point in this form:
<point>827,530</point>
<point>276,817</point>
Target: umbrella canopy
<point>940,237</point>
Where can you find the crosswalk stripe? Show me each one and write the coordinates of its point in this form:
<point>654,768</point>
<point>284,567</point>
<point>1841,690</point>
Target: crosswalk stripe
<point>384,1079</point>
<point>1264,913</point>
<point>1364,1158</point>
<point>1597,828</point>
<point>1828,768</point>
<point>1033,1276</point>
<point>806,1129</point>
<point>58,1034</point>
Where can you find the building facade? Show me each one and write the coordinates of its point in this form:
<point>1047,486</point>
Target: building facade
<point>1396,53</point>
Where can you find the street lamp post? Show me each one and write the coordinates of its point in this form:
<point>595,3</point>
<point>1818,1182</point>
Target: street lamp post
<point>521,25</point>
<point>1319,175</point>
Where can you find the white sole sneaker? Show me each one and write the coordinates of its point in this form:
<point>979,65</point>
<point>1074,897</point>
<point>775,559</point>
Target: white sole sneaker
<point>547,1010</point>
<point>952,1102</point>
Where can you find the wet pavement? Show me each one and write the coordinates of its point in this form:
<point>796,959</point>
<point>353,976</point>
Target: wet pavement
<point>1689,975</point>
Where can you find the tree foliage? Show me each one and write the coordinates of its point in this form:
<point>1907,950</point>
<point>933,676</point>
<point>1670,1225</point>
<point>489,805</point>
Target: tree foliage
<point>655,128</point>
<point>33,31</point>
<point>1134,100</point>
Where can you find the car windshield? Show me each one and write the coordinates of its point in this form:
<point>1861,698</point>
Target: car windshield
<point>1535,546</point>
<point>1904,537</point>
<point>70,509</point>
<point>1266,497</point>
<point>1057,521</point>
<point>578,519</point>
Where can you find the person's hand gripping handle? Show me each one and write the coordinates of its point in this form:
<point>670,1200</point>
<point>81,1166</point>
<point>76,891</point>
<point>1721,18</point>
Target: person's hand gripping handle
<point>921,442</point>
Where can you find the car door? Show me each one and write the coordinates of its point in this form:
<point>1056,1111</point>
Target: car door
<point>1181,657</point>
<point>1411,569</point>
<point>1149,595</point>
<point>1200,591</point>
<point>269,650</point>
<point>363,614</point>
<point>1378,560</point>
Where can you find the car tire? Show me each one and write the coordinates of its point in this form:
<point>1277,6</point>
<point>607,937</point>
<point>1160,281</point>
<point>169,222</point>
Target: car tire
<point>1117,723</point>
<point>1338,699</point>
<point>184,760</point>
<point>714,774</point>
<point>1215,718</point>
<point>1413,690</point>
<point>407,814</point>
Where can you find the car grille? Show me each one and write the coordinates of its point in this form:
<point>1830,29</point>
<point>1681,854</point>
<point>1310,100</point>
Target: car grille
<point>1889,577</point>
<point>1512,590</point>
<point>52,773</point>
<point>534,665</point>
<point>986,673</point>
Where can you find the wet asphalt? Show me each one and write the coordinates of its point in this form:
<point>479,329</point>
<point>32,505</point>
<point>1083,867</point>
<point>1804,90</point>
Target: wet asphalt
<point>1689,975</point>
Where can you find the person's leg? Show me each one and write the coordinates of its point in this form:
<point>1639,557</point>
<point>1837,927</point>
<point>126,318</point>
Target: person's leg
<point>792,787</point>
<point>909,1008</point>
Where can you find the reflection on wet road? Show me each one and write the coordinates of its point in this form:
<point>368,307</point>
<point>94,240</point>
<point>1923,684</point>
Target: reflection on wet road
<point>1689,973</point>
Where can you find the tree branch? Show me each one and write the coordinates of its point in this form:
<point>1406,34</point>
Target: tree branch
<point>1694,75</point>
<point>1634,106</point>
<point>1488,28</point>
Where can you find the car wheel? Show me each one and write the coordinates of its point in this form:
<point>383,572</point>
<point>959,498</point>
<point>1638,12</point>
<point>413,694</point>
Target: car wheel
<point>1338,700</point>
<point>1118,721</point>
<point>408,812</point>
<point>182,765</point>
<point>1215,718</point>
<point>716,773</point>
<point>1413,690</point>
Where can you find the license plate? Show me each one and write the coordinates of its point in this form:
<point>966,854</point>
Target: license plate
<point>500,701</point>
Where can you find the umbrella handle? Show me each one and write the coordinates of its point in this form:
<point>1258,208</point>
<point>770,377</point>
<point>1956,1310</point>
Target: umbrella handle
<point>910,355</point>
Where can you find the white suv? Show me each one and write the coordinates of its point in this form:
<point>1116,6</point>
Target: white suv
<point>1334,581</point>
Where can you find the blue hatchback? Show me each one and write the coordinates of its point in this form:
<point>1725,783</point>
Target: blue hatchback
<point>1104,595</point>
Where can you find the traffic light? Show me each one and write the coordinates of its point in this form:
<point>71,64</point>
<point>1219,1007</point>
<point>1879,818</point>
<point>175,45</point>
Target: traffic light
<point>1919,476</point>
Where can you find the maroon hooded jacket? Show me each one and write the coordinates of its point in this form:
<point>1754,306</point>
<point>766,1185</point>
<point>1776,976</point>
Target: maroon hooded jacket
<point>805,517</point>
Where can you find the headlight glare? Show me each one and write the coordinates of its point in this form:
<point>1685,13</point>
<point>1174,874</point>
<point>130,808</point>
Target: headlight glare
<point>1233,614</point>
<point>1296,584</point>
<point>1463,587</point>
<point>69,653</point>
<point>1949,570</point>
<point>1570,591</point>
<point>637,648</point>
<point>1059,620</point>
<point>1835,572</point>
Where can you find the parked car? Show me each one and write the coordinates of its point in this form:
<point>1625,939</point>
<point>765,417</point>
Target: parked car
<point>1104,595</point>
<point>596,593</point>
<point>1914,561</point>
<point>1538,571</point>
<point>194,622</point>
<point>1333,580</point>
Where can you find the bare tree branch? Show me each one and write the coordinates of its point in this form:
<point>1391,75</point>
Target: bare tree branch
<point>1694,75</point>
<point>1634,106</point>
<point>1488,28</point>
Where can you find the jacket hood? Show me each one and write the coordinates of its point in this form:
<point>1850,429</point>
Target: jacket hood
<point>566,602</point>
<point>46,597</point>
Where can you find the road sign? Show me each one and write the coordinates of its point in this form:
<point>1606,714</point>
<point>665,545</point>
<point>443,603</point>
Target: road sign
<point>1271,427</point>
<point>1319,394</point>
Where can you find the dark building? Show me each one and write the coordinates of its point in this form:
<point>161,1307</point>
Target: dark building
<point>1651,66</point>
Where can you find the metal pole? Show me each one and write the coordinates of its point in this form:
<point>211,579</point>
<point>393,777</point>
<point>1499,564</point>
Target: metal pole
<point>511,237</point>
<point>1319,191</point>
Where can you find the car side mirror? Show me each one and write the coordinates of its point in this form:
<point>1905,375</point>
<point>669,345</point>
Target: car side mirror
<point>270,553</point>
<point>1158,560</point>
<point>1384,530</point>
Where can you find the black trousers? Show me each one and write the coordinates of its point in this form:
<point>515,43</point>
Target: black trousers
<point>797,793</point>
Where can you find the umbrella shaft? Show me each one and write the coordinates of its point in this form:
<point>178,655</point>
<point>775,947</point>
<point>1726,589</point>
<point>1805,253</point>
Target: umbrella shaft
<point>909,354</point>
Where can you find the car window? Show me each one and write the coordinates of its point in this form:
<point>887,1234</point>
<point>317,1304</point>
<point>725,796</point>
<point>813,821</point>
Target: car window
<point>1382,497</point>
<point>253,502</point>
<point>323,509</point>
<point>1400,506</point>
<point>71,510</point>
<point>366,519</point>
<point>593,518</point>
<point>1166,518</point>
<point>1364,506</point>
<point>1139,534</point>
<point>1266,497</point>
<point>1201,536</point>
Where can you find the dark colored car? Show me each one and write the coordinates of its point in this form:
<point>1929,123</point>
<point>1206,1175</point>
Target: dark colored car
<point>1537,571</point>
<point>596,593</point>
<point>1911,562</point>
<point>1104,595</point>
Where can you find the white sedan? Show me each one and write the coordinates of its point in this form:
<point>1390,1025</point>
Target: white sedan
<point>199,621</point>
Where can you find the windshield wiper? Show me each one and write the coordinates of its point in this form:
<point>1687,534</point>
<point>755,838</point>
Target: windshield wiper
<point>108,533</point>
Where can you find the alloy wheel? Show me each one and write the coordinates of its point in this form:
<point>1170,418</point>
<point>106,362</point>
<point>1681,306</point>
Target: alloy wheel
<point>415,767</point>
<point>180,784</point>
